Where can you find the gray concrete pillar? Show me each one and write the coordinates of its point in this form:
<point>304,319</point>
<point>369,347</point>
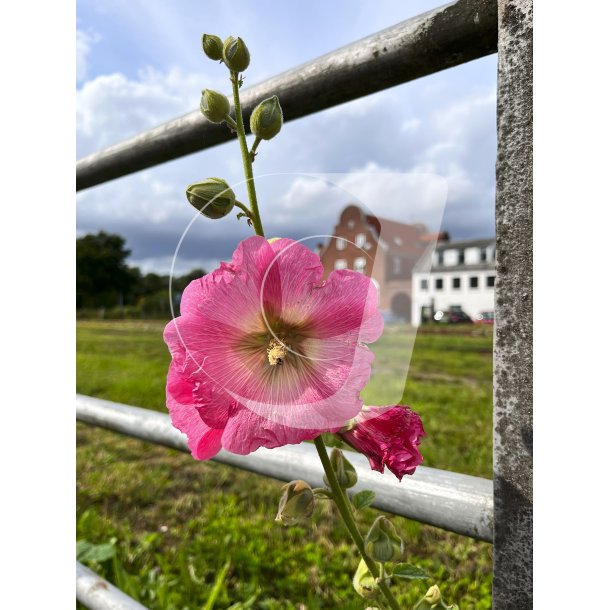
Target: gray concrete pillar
<point>512,584</point>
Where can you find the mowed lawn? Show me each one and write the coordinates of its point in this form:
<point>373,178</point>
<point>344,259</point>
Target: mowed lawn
<point>180,527</point>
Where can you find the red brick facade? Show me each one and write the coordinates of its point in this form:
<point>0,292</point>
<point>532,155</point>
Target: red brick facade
<point>383,249</point>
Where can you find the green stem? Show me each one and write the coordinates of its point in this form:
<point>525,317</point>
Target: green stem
<point>245,155</point>
<point>257,141</point>
<point>341,501</point>
<point>245,209</point>
<point>231,122</point>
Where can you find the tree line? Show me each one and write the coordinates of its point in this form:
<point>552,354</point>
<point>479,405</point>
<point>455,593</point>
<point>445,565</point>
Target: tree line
<point>107,286</point>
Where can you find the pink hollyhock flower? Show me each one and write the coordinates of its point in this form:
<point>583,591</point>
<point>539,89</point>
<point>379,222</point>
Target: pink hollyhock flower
<point>388,436</point>
<point>265,353</point>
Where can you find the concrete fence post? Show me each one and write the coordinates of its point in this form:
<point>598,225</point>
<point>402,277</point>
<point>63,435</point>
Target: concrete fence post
<point>512,583</point>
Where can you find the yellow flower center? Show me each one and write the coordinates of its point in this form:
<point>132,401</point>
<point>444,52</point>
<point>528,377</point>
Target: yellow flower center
<point>276,352</point>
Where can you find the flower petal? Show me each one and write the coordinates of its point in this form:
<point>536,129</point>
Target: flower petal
<point>203,441</point>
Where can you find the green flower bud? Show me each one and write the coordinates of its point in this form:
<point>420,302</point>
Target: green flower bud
<point>212,197</point>
<point>433,596</point>
<point>235,54</point>
<point>214,106</point>
<point>212,46</point>
<point>296,504</point>
<point>382,542</point>
<point>364,582</point>
<point>346,473</point>
<point>266,119</point>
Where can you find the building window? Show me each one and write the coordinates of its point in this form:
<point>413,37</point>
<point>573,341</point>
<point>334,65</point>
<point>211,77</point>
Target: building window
<point>456,282</point>
<point>341,243</point>
<point>491,281</point>
<point>439,257</point>
<point>360,264</point>
<point>474,282</point>
<point>340,263</point>
<point>361,240</point>
<point>438,283</point>
<point>460,259</point>
<point>350,224</point>
<point>483,255</point>
<point>396,265</point>
<point>423,284</point>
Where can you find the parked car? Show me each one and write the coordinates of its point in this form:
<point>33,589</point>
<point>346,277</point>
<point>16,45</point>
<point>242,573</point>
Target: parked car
<point>485,317</point>
<point>456,316</point>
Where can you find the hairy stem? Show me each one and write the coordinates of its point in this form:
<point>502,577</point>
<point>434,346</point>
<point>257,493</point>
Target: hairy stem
<point>246,158</point>
<point>341,501</point>
<point>257,141</point>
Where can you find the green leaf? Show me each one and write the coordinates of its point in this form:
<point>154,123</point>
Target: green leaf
<point>218,583</point>
<point>409,572</point>
<point>363,498</point>
<point>86,551</point>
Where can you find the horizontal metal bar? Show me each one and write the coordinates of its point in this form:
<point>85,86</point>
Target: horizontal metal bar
<point>455,502</point>
<point>442,38</point>
<point>98,594</point>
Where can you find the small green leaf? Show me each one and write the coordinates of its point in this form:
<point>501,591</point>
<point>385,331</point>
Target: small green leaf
<point>86,551</point>
<point>363,498</point>
<point>409,572</point>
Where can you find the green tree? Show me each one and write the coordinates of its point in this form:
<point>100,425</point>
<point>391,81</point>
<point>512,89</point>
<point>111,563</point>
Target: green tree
<point>103,279</point>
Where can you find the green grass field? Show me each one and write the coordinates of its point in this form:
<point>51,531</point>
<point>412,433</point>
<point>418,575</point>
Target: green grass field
<point>188,534</point>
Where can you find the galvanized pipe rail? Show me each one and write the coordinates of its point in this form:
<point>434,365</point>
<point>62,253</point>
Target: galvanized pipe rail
<point>98,594</point>
<point>455,502</point>
<point>441,38</point>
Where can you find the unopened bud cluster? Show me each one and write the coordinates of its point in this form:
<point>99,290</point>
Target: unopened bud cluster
<point>213,197</point>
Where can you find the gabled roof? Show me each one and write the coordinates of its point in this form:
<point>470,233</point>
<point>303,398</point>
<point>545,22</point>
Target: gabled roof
<point>399,238</point>
<point>465,243</point>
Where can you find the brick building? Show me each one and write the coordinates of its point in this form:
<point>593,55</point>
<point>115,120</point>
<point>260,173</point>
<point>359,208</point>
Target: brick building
<point>382,249</point>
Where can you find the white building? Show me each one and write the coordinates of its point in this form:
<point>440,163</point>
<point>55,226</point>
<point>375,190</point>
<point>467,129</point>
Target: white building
<point>455,275</point>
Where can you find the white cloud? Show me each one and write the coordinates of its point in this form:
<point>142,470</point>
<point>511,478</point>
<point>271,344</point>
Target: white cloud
<point>410,125</point>
<point>400,196</point>
<point>112,107</point>
<point>84,42</point>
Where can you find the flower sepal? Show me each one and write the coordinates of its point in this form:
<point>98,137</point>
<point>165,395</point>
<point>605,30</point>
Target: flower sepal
<point>213,197</point>
<point>214,106</point>
<point>346,473</point>
<point>235,54</point>
<point>296,504</point>
<point>433,600</point>
<point>383,543</point>
<point>266,119</point>
<point>364,582</point>
<point>212,46</point>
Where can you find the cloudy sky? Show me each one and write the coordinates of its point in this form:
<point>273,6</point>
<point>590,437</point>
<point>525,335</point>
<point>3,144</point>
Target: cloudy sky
<point>419,152</point>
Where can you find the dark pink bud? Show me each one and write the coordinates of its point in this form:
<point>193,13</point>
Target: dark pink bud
<point>388,436</point>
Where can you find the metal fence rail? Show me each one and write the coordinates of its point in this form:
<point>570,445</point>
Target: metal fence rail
<point>442,38</point>
<point>98,594</point>
<point>456,502</point>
